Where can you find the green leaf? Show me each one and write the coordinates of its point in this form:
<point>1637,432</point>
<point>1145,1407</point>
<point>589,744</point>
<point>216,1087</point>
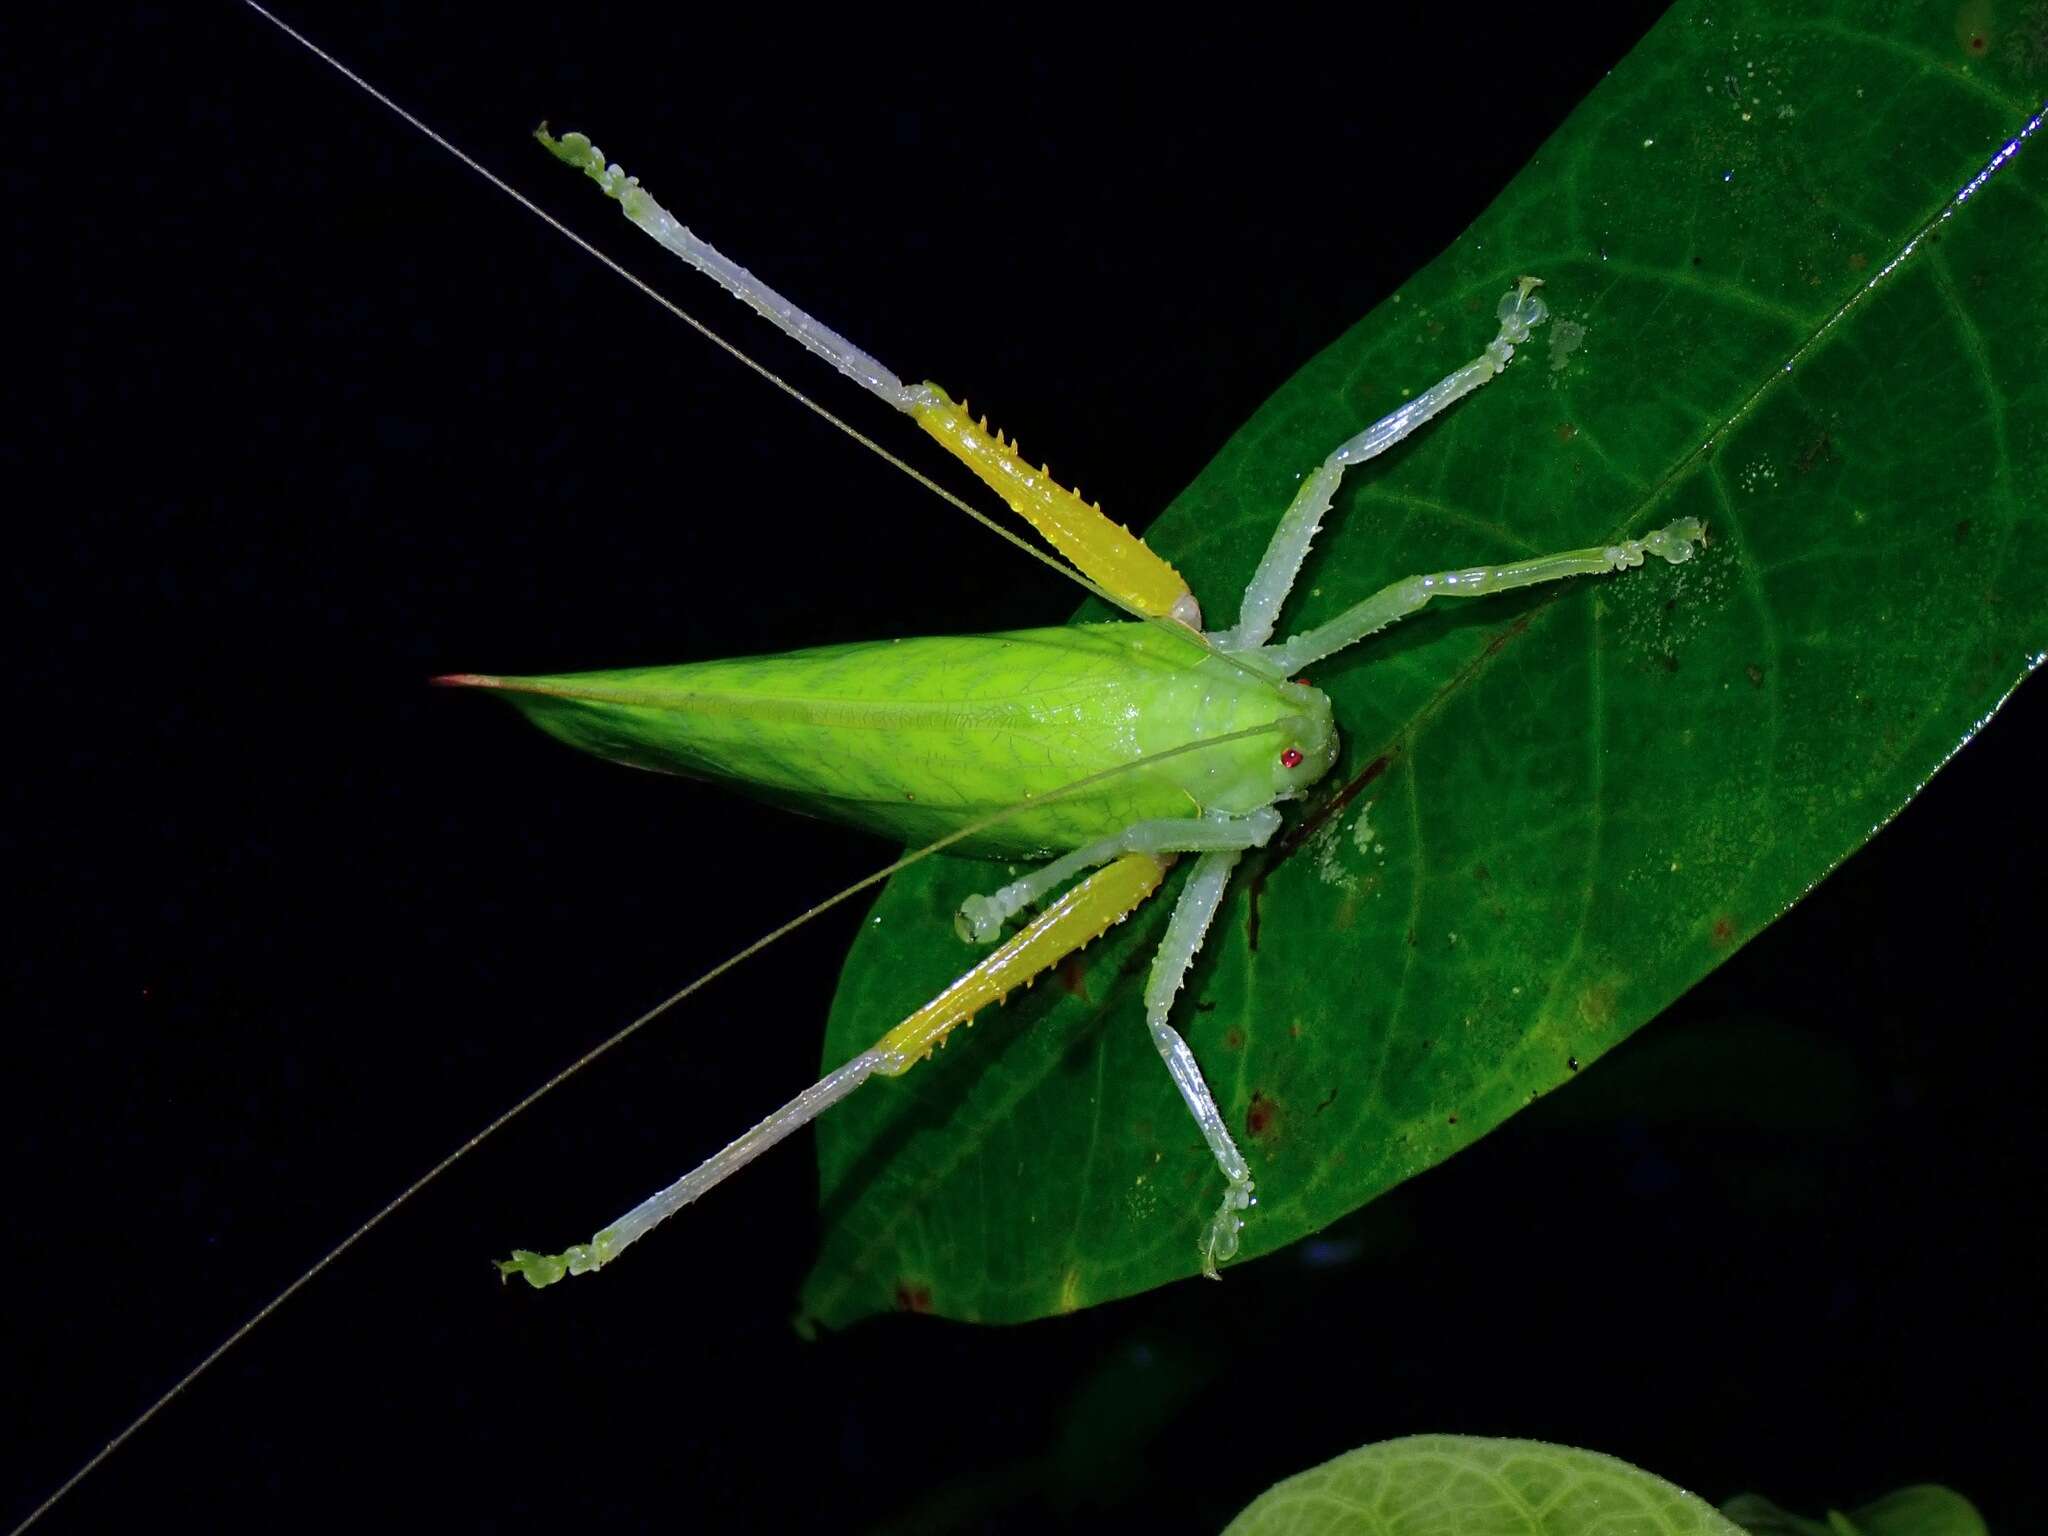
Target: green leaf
<point>1922,1510</point>
<point>1554,814</point>
<point>1429,1485</point>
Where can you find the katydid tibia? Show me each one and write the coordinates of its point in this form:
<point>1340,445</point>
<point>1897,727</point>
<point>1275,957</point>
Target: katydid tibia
<point>1112,748</point>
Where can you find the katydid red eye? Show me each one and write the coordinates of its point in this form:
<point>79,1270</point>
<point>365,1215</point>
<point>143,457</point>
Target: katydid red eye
<point>1290,758</point>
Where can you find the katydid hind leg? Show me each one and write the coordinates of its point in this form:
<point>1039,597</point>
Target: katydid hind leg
<point>1080,916</point>
<point>1116,564</point>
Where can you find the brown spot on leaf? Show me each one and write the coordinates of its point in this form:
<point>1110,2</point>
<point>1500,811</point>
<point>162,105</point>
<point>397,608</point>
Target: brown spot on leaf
<point>1566,431</point>
<point>1261,1116</point>
<point>1454,1120</point>
<point>911,1297</point>
<point>1235,1039</point>
<point>1723,930</point>
<point>1858,261</point>
<point>1073,975</point>
<point>1755,674</point>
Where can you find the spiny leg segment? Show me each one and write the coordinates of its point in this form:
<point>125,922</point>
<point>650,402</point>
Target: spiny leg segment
<point>1109,554</point>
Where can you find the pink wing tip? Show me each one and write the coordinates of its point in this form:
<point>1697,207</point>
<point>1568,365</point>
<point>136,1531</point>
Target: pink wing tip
<point>467,680</point>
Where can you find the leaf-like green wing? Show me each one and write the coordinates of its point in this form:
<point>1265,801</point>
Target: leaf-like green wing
<point>1433,1485</point>
<point>1783,302</point>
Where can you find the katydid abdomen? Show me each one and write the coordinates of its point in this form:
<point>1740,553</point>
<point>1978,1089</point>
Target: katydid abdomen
<point>916,738</point>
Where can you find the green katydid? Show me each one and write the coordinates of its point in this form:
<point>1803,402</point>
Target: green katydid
<point>1454,342</point>
<point>1166,739</point>
<point>1270,750</point>
<point>1116,747</point>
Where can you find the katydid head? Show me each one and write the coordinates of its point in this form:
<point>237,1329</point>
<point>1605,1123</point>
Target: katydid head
<point>1233,737</point>
<point>1310,750</point>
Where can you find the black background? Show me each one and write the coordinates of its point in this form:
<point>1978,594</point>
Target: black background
<point>305,414</point>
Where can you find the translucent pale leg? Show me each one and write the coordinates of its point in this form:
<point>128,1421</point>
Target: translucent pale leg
<point>1221,841</point>
<point>981,918</point>
<point>1673,542</point>
<point>1518,311</point>
<point>1078,917</point>
<point>1185,931</point>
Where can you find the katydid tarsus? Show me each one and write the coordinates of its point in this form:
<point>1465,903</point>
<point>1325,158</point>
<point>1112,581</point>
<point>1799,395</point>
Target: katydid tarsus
<point>1455,349</point>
